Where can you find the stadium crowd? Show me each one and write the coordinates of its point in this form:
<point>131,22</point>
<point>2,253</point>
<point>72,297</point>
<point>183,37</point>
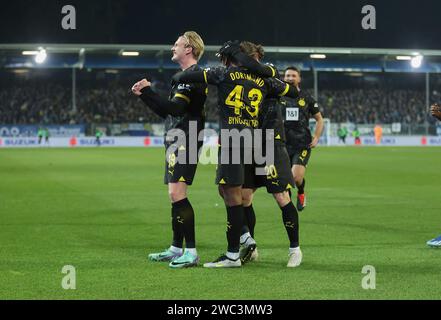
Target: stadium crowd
<point>45,102</point>
<point>372,106</point>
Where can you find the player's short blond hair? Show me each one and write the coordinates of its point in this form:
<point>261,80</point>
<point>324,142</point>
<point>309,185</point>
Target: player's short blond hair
<point>252,49</point>
<point>195,41</point>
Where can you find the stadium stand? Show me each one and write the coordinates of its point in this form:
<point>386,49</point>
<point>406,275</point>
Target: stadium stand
<point>45,97</point>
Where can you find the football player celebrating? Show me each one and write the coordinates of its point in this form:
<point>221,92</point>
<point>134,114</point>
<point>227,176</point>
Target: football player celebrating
<point>184,106</point>
<point>240,96</point>
<point>279,178</point>
<point>299,139</point>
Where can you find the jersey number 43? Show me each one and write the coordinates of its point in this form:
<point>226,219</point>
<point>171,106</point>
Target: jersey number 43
<point>235,100</point>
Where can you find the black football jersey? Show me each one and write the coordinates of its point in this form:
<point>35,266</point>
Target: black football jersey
<point>194,95</point>
<point>296,114</point>
<point>271,117</point>
<point>241,94</point>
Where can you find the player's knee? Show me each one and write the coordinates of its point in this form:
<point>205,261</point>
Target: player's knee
<point>232,196</point>
<point>234,201</point>
<point>282,198</point>
<point>298,179</point>
<point>177,194</point>
<point>247,199</point>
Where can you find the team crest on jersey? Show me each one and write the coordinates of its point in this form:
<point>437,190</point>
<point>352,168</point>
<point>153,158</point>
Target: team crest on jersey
<point>183,86</point>
<point>302,102</point>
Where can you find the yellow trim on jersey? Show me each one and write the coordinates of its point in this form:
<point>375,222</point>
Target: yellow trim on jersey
<point>286,90</point>
<point>222,181</point>
<point>273,70</point>
<point>278,137</point>
<point>182,96</point>
<point>205,77</point>
<point>289,186</point>
<point>181,179</point>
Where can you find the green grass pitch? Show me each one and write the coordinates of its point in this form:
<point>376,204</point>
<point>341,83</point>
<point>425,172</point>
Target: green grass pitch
<point>103,210</point>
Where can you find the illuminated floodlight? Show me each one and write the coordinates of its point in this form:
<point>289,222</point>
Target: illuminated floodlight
<point>29,53</point>
<point>41,56</point>
<point>130,53</point>
<point>416,61</point>
<point>317,56</point>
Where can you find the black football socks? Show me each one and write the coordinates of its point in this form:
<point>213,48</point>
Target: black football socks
<point>235,218</point>
<point>183,224</point>
<point>291,221</point>
<point>301,188</point>
<point>249,220</point>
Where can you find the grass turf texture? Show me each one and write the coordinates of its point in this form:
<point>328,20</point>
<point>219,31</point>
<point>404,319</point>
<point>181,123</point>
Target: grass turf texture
<point>104,210</point>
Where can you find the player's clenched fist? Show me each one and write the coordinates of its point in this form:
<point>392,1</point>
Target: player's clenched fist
<point>137,87</point>
<point>435,110</point>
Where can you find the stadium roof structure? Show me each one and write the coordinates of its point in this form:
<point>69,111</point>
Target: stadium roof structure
<point>103,56</point>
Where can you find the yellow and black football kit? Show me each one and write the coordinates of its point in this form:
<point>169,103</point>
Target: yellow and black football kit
<point>185,105</point>
<point>240,97</point>
<point>296,113</point>
<point>279,177</point>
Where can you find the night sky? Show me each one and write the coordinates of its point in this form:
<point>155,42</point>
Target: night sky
<point>310,23</point>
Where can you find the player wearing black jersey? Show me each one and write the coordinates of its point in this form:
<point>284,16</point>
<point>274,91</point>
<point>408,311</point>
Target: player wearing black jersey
<point>185,107</point>
<point>240,96</point>
<point>279,178</point>
<point>299,140</point>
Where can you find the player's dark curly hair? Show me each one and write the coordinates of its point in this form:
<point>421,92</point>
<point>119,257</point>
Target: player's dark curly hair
<point>293,69</point>
<point>252,49</point>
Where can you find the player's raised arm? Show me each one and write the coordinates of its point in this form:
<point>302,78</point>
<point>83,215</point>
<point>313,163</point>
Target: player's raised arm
<point>262,70</point>
<point>290,91</point>
<point>279,88</point>
<point>208,76</point>
<point>161,106</point>
<point>232,49</point>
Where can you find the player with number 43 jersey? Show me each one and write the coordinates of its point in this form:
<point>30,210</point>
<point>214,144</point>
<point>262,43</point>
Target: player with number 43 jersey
<point>278,179</point>
<point>241,92</point>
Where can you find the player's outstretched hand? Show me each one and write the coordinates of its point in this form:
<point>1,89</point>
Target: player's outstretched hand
<point>229,49</point>
<point>435,110</point>
<point>137,87</point>
<point>314,142</point>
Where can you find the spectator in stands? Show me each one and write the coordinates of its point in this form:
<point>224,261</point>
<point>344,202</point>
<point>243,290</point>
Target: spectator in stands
<point>105,99</point>
<point>435,111</point>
